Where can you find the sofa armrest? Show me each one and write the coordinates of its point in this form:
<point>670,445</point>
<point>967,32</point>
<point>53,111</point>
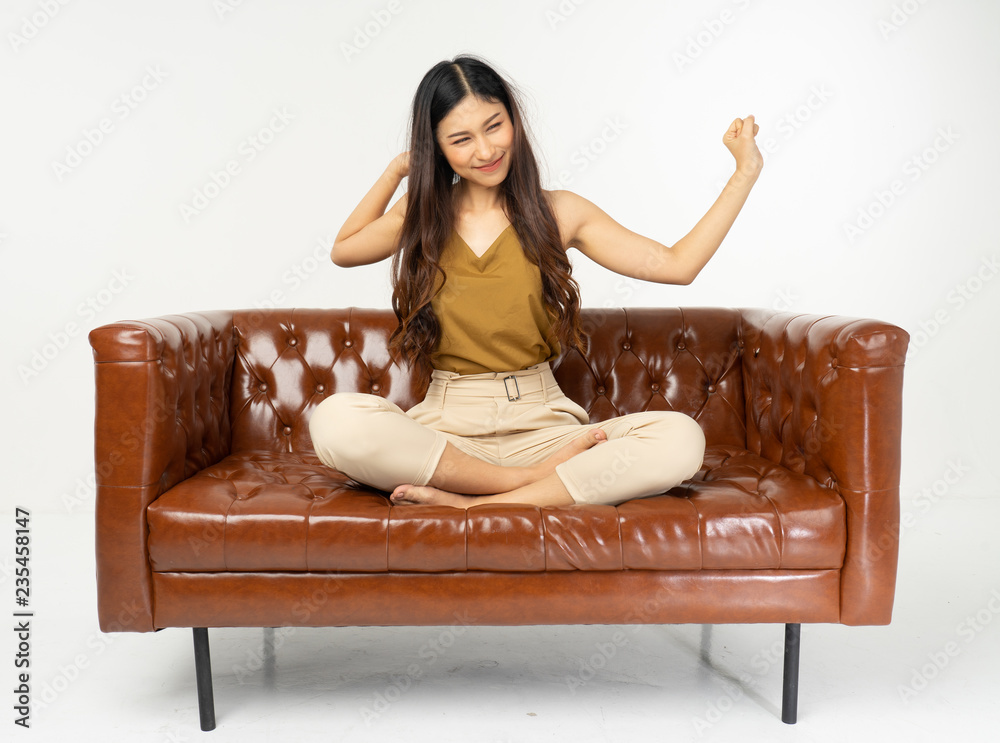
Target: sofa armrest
<point>161,415</point>
<point>824,398</point>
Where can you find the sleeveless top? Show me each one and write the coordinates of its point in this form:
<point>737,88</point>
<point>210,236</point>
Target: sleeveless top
<point>490,309</point>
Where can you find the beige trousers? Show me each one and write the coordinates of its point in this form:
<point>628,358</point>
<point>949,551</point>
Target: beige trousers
<point>509,419</point>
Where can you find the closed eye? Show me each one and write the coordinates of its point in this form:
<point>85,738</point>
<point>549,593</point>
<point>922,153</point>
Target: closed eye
<point>491,127</point>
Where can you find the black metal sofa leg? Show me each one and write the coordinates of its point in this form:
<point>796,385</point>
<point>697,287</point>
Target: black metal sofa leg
<point>203,673</point>
<point>790,682</point>
<point>789,687</point>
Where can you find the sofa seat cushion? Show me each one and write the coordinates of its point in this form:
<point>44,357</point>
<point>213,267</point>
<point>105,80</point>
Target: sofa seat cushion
<point>284,511</point>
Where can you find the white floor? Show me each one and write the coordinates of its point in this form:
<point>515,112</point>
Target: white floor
<point>931,675</point>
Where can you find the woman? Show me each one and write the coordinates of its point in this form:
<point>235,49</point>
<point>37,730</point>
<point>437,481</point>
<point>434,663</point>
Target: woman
<point>485,300</point>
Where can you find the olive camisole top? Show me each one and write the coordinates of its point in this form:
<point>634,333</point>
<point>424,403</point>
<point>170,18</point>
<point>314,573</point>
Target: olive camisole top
<point>490,309</point>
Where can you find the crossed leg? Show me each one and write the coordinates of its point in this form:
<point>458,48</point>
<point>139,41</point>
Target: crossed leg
<point>639,454</point>
<point>463,481</point>
<point>374,441</point>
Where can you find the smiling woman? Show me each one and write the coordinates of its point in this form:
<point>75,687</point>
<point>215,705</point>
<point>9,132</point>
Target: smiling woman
<point>483,291</point>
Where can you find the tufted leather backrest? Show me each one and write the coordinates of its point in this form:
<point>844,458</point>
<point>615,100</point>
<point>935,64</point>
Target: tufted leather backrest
<point>688,360</point>
<point>805,376</point>
<point>289,360</point>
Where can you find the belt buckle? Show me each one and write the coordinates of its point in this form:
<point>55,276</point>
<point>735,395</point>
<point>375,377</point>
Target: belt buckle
<point>506,386</point>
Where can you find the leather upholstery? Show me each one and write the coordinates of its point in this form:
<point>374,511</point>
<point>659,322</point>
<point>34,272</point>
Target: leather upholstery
<point>579,597</point>
<point>213,509</point>
<point>264,511</point>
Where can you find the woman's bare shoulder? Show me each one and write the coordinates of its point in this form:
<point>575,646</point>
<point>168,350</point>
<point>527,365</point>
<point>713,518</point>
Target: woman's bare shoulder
<point>567,203</point>
<point>571,211</point>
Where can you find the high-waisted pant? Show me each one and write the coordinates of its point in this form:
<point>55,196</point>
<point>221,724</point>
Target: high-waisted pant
<point>510,419</point>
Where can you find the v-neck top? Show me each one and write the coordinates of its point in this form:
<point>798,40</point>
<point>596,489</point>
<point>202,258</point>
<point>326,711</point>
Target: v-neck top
<point>490,309</point>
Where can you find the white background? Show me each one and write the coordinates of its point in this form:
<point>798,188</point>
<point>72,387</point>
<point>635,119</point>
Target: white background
<point>878,198</point>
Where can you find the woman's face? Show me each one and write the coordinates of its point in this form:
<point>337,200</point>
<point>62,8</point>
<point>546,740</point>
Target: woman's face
<point>476,138</point>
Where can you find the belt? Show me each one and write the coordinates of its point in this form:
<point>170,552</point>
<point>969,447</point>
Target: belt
<point>512,385</point>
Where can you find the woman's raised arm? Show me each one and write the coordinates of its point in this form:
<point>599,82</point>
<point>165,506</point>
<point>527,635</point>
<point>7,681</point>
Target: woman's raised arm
<point>603,240</point>
<point>369,234</point>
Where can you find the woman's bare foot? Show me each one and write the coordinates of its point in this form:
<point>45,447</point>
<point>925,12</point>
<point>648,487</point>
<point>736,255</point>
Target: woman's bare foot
<point>549,491</point>
<point>405,495</point>
<point>581,443</point>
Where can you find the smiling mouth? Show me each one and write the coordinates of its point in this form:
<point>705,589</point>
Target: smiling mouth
<point>490,166</point>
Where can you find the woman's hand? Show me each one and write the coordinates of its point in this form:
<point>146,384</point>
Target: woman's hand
<point>400,165</point>
<point>739,140</point>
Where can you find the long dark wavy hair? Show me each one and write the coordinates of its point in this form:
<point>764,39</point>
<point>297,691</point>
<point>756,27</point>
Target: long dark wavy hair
<point>430,212</point>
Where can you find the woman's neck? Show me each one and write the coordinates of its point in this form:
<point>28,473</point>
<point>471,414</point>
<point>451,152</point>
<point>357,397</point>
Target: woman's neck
<point>471,198</point>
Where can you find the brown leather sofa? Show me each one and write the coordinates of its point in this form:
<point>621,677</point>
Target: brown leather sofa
<point>213,510</point>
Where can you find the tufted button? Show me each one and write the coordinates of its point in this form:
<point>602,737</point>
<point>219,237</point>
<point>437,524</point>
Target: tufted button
<point>711,388</point>
<point>626,346</point>
<point>681,346</point>
<point>262,386</point>
<point>287,430</point>
<point>600,390</point>
<point>655,387</point>
<point>320,387</point>
<point>833,363</point>
<point>376,387</point>
<point>348,343</point>
<point>292,342</point>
